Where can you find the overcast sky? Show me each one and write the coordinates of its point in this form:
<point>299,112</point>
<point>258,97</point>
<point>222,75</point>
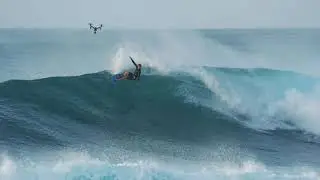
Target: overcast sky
<point>161,13</point>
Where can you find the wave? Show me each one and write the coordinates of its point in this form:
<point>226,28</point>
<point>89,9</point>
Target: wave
<point>82,166</point>
<point>151,106</point>
<point>195,106</point>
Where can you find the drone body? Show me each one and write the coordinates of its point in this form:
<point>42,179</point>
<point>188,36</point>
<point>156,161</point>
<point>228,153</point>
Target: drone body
<point>95,28</point>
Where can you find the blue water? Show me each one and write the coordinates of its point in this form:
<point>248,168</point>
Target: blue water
<point>210,104</point>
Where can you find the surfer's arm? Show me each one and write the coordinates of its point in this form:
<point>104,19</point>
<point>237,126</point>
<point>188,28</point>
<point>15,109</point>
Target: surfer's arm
<point>133,62</point>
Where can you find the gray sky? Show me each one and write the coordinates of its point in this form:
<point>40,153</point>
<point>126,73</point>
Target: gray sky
<point>161,13</point>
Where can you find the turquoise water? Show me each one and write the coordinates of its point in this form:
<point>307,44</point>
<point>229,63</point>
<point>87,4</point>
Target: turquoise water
<point>214,104</point>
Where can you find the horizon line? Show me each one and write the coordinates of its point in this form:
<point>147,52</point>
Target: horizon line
<point>138,28</point>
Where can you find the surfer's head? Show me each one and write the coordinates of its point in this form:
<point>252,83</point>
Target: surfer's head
<point>139,65</point>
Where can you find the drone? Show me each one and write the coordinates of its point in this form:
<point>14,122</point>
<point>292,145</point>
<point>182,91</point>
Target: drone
<point>95,29</point>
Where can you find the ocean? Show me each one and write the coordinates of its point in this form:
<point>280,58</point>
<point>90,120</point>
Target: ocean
<point>218,104</point>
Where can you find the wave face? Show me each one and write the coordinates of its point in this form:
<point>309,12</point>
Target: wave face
<point>206,107</point>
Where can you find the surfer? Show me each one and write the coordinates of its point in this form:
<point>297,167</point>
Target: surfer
<point>95,28</point>
<point>132,76</point>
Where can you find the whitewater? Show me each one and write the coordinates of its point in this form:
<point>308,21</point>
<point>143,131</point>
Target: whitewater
<point>210,104</point>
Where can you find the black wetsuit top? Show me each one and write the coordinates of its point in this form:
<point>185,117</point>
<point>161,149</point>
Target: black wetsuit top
<point>137,71</point>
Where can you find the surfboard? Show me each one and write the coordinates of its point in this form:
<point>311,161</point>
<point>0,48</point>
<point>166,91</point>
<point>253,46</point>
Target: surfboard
<point>116,77</point>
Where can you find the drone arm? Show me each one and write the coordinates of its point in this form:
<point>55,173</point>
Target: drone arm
<point>100,27</point>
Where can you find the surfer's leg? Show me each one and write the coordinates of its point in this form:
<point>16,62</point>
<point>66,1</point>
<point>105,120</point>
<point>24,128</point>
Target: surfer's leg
<point>130,76</point>
<point>124,76</point>
<point>127,75</point>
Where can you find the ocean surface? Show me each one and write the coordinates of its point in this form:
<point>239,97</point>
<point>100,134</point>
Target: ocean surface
<point>210,105</point>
